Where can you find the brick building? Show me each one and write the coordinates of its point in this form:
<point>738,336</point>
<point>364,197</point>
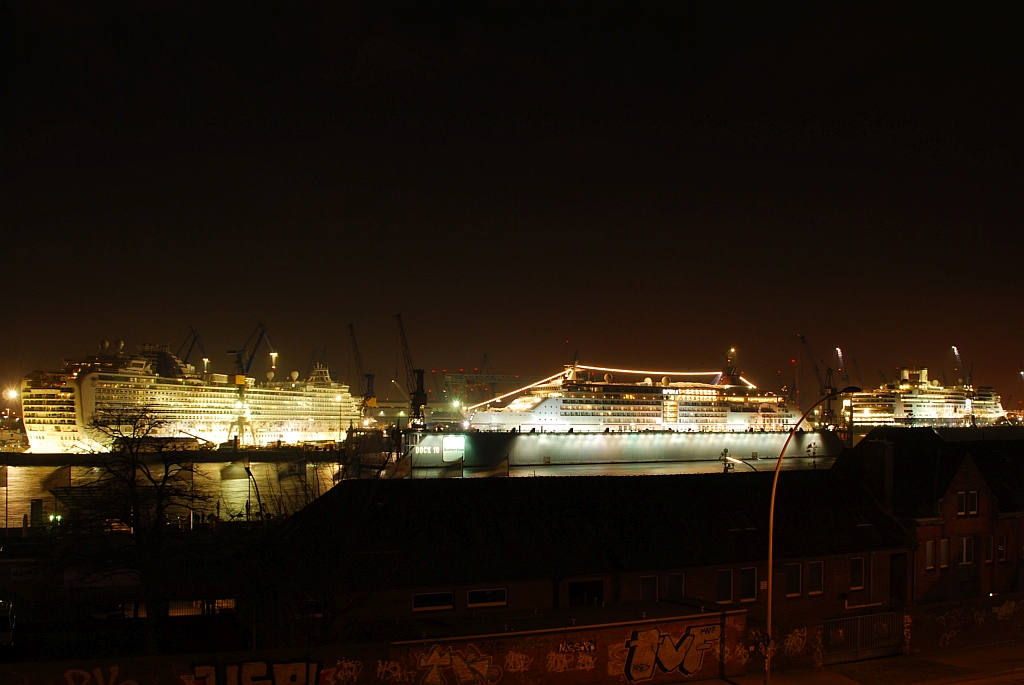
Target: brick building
<point>962,501</point>
<point>372,557</point>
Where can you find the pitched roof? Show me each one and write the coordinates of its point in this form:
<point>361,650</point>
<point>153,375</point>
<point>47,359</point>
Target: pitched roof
<point>411,533</point>
<point>924,465</point>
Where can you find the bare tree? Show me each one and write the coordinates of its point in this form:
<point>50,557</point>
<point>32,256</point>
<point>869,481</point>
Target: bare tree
<point>125,518</point>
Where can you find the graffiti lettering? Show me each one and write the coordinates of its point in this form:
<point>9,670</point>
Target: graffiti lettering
<point>581,646</point>
<point>795,641</point>
<point>559,663</point>
<point>585,662</point>
<point>650,648</point>
<point>1005,610</point>
<point>517,662</point>
<point>471,667</point>
<point>254,672</point>
<point>393,671</point>
<point>78,677</point>
<point>344,671</point>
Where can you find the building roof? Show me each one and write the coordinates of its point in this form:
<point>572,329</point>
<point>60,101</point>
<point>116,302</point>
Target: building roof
<point>410,533</point>
<point>924,465</point>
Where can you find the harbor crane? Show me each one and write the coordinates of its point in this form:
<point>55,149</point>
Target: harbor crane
<point>245,356</point>
<point>365,379</point>
<point>844,375</point>
<point>826,386</point>
<point>966,377</point>
<point>414,381</point>
<point>192,340</point>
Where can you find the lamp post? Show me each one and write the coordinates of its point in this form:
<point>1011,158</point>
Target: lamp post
<point>771,523</point>
<point>734,460</point>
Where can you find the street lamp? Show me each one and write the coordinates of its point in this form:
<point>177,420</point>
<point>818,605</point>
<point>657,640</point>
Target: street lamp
<point>771,522</point>
<point>734,460</point>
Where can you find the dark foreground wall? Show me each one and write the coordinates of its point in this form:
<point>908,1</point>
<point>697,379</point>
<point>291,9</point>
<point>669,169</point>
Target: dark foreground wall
<point>663,650</point>
<point>951,625</point>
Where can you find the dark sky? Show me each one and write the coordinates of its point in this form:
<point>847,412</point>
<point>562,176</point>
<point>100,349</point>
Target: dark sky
<point>651,182</point>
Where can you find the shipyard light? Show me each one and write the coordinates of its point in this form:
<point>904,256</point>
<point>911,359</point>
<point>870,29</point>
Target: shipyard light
<point>10,394</point>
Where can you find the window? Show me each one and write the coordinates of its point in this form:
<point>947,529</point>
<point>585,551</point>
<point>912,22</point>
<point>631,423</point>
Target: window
<point>943,553</point>
<point>723,586</point>
<point>966,551</point>
<point>748,584</point>
<point>1001,547</point>
<point>815,577</point>
<point>487,598</point>
<point>793,580</point>
<point>961,503</point>
<point>857,573</point>
<point>676,585</point>
<point>988,549</point>
<point>433,601</point>
<point>929,554</point>
<point>972,502</point>
<point>586,592</point>
<point>649,588</point>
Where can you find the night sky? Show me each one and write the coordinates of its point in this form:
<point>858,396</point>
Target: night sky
<point>652,183</point>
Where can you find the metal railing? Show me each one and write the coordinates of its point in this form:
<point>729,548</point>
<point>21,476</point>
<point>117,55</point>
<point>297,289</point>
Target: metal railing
<point>862,637</point>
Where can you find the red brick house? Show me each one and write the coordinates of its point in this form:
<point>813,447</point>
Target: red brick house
<point>963,502</point>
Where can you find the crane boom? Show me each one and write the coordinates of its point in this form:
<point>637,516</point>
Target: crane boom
<point>844,375</point>
<point>245,356</point>
<point>192,340</point>
<point>414,380</point>
<point>814,364</point>
<point>358,358</point>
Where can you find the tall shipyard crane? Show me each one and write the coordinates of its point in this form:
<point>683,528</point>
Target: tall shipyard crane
<point>965,375</point>
<point>245,356</point>
<point>365,380</point>
<point>193,340</point>
<point>414,381</point>
<point>826,386</point>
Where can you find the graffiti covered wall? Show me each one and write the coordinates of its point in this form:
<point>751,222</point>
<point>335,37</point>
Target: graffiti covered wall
<point>950,625</point>
<point>698,648</point>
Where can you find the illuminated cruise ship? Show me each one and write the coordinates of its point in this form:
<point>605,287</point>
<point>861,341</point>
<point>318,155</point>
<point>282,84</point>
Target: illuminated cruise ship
<point>60,408</point>
<point>917,401</point>
<point>590,399</point>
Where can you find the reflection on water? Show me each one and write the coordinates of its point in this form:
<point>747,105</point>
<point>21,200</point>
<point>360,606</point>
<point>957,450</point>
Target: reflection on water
<point>222,489</point>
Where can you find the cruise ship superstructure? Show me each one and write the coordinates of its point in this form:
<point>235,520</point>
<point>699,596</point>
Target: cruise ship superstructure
<point>591,399</point>
<point>60,408</point>
<point>915,400</point>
